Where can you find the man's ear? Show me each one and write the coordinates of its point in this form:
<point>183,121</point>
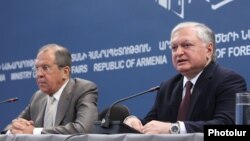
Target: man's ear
<point>210,50</point>
<point>66,72</point>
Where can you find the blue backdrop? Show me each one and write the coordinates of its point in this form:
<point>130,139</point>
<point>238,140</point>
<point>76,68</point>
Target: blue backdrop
<point>121,45</point>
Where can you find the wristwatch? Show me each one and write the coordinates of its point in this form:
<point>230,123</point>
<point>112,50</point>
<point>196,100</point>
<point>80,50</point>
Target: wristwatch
<point>174,128</point>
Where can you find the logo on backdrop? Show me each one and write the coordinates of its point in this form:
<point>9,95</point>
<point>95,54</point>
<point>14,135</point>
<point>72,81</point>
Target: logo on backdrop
<point>177,7</point>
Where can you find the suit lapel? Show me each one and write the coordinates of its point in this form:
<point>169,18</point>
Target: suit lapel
<point>40,116</point>
<point>64,102</point>
<point>200,87</point>
<point>177,92</point>
<point>175,99</point>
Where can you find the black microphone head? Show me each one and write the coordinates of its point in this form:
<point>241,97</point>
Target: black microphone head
<point>13,99</point>
<point>118,113</point>
<point>9,100</point>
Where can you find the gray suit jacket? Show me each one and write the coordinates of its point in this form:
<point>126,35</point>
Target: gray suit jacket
<point>76,112</point>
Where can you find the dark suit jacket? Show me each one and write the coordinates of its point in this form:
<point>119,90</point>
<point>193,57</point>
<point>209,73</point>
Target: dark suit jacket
<point>76,112</point>
<point>212,101</point>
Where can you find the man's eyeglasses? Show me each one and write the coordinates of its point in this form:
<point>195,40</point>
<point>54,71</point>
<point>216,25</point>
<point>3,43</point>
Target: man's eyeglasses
<point>43,69</point>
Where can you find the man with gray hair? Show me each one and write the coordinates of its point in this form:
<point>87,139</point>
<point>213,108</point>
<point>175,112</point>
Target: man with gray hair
<point>62,105</point>
<point>203,93</point>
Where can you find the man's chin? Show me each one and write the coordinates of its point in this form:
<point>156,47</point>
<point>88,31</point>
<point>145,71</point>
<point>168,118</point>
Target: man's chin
<point>183,69</point>
<point>185,72</point>
<point>43,90</point>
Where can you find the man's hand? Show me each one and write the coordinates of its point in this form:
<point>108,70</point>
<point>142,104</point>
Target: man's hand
<point>156,127</point>
<point>134,122</point>
<point>21,126</point>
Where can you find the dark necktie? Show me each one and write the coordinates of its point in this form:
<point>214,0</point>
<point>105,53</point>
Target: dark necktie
<point>182,114</point>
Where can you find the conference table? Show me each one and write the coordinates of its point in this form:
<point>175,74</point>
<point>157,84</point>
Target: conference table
<point>103,137</point>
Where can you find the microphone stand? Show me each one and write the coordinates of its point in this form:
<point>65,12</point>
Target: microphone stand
<point>106,120</point>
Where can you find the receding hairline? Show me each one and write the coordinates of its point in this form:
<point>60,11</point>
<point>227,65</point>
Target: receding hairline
<point>53,47</point>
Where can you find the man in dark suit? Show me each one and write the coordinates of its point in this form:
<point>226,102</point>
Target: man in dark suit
<point>213,87</point>
<point>74,101</point>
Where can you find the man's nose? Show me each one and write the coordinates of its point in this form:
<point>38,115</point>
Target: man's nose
<point>179,50</point>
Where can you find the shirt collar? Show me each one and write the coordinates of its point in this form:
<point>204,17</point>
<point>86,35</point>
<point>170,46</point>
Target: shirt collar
<point>57,94</point>
<point>193,80</point>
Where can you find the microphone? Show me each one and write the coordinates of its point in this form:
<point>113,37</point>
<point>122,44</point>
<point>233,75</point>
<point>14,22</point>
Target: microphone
<point>106,120</point>
<point>9,100</point>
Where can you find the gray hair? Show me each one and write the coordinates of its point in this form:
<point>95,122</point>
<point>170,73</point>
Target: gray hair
<point>203,32</point>
<point>62,54</point>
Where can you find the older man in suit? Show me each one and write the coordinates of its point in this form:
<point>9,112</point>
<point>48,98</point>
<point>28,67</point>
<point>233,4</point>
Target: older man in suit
<point>209,97</point>
<point>73,108</point>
